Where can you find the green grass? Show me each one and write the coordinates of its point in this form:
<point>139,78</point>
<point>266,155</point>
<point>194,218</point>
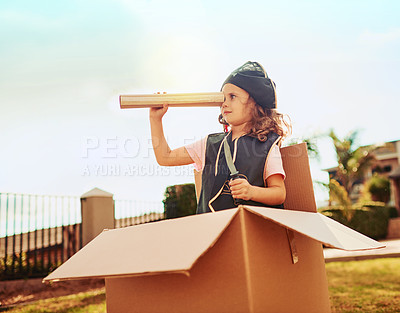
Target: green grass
<point>358,286</point>
<point>364,286</point>
<point>85,302</point>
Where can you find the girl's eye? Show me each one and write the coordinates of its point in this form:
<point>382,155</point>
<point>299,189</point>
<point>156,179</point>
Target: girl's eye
<point>233,97</point>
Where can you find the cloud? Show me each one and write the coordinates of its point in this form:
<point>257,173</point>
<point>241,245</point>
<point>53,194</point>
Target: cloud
<point>162,17</point>
<point>27,19</point>
<point>382,38</point>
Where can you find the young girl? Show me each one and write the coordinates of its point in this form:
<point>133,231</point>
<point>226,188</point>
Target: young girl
<point>256,129</point>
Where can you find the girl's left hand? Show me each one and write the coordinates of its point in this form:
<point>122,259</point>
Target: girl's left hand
<point>241,189</point>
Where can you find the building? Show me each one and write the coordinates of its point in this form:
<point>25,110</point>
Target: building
<point>387,163</point>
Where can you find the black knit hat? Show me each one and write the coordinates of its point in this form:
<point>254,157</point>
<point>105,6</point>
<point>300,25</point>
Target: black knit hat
<point>252,77</point>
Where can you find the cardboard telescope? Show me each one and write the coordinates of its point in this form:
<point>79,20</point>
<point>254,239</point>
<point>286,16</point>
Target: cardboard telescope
<point>200,99</point>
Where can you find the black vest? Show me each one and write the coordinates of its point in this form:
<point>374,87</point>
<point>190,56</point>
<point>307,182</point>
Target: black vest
<point>251,155</point>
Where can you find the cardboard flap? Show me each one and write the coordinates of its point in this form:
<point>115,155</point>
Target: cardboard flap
<point>166,246</point>
<point>319,228</point>
<point>298,182</point>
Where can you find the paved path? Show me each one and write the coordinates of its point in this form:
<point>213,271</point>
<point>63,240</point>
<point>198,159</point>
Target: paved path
<point>392,250</point>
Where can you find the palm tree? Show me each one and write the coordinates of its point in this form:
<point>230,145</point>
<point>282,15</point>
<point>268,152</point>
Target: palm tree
<point>311,142</point>
<point>353,162</point>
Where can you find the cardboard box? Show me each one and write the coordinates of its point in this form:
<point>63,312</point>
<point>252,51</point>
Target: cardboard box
<point>246,259</point>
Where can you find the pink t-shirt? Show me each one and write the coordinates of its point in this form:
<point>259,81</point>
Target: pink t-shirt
<point>197,152</point>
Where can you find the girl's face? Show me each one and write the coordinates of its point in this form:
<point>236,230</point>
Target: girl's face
<point>236,109</point>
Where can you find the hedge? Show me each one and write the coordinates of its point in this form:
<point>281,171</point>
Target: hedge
<point>180,200</point>
<point>371,221</point>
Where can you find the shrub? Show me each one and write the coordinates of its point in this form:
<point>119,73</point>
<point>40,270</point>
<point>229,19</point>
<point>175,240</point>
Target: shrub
<point>393,212</point>
<point>180,200</point>
<point>10,270</point>
<point>371,220</point>
<point>379,188</point>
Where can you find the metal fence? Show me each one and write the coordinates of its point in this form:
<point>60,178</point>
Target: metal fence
<point>38,232</point>
<point>133,212</point>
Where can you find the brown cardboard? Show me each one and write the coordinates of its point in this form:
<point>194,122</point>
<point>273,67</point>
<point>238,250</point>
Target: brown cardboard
<point>217,283</point>
<point>202,99</point>
<point>243,272</point>
<point>320,228</point>
<point>298,181</point>
<point>167,246</point>
<point>237,260</point>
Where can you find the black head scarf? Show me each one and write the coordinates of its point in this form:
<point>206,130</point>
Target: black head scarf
<point>252,77</point>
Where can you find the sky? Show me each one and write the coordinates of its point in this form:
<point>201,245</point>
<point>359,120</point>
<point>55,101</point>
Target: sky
<point>63,65</point>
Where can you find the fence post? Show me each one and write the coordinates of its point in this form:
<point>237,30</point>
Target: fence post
<point>97,209</point>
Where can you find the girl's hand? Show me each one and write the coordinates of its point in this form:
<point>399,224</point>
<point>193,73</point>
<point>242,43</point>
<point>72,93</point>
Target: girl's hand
<point>241,189</point>
<point>158,113</point>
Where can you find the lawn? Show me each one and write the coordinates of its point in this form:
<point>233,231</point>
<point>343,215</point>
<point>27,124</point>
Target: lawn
<point>357,286</point>
<point>365,286</point>
<point>85,302</point>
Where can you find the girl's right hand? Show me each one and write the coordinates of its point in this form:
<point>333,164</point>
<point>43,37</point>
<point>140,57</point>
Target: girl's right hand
<point>158,113</point>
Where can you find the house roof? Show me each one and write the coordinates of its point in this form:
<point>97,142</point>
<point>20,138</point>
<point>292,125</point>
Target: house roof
<point>331,169</point>
<point>383,151</point>
<point>173,246</point>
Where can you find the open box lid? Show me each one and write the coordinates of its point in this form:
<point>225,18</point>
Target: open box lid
<point>166,246</point>
<point>173,246</point>
<point>320,228</point>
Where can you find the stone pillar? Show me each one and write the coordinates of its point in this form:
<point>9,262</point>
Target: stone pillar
<point>97,209</point>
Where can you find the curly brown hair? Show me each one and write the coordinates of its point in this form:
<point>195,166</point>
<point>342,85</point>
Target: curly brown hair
<point>264,121</point>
